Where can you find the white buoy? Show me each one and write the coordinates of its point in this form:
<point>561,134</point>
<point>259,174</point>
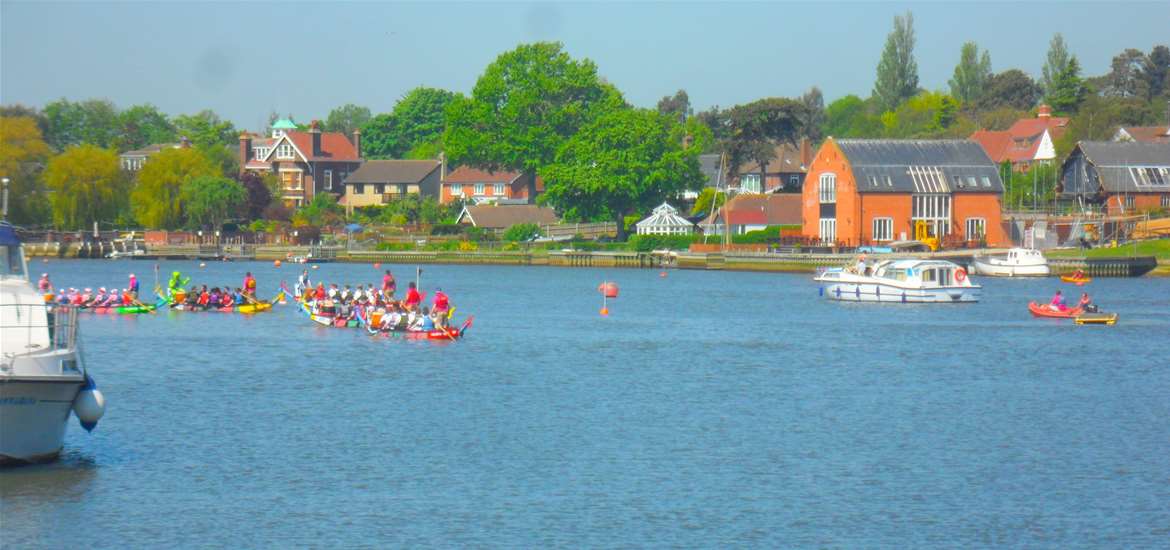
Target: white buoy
<point>89,406</point>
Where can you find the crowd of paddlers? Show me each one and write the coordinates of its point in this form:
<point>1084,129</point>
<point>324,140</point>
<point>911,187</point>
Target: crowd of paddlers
<point>204,298</point>
<point>376,308</point>
<point>88,298</point>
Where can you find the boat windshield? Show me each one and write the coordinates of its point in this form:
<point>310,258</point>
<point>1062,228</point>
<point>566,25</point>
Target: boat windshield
<point>11,261</point>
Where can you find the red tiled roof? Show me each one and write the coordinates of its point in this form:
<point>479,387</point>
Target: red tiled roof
<point>467,174</point>
<point>1020,142</point>
<point>995,143</point>
<point>775,209</point>
<point>1032,127</point>
<point>334,146</point>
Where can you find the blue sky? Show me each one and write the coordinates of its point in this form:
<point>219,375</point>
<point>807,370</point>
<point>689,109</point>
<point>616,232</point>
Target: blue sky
<point>244,60</point>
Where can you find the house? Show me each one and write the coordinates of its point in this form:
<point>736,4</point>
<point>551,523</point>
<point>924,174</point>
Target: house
<point>1125,177</point>
<point>378,182</point>
<point>1154,134</point>
<point>503,216</point>
<point>132,161</point>
<point>484,186</point>
<point>785,172</point>
<point>306,163</point>
<point>751,212</point>
<point>1028,141</point>
<point>664,220</point>
<point>863,191</point>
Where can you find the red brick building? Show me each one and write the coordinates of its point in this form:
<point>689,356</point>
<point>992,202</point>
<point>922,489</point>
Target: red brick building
<point>1028,141</point>
<point>482,186</point>
<point>307,163</point>
<point>869,192</point>
<point>1124,177</point>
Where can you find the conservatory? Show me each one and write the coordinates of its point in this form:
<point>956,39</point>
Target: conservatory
<point>664,220</point>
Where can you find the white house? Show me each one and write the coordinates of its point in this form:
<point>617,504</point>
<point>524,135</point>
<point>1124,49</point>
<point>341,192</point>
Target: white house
<point>664,220</point>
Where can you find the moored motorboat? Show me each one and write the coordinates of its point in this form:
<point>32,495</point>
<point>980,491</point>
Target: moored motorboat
<point>1017,262</point>
<point>900,281</point>
<point>1040,310</point>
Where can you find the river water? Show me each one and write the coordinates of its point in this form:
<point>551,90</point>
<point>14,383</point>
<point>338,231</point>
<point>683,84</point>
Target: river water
<point>709,409</point>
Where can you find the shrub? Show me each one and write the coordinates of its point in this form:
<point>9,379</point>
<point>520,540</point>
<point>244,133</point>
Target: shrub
<point>522,232</point>
<point>647,243</point>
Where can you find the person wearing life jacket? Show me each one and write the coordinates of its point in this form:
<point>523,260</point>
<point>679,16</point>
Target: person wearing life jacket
<point>133,288</point>
<point>75,297</point>
<point>127,297</point>
<point>44,285</point>
<point>204,298</point>
<point>1086,303</point>
<point>97,298</point>
<point>1058,303</point>
<point>413,298</point>
<point>320,294</point>
<point>111,298</point>
<point>177,282</point>
<point>389,285</point>
<point>226,299</point>
<point>249,285</point>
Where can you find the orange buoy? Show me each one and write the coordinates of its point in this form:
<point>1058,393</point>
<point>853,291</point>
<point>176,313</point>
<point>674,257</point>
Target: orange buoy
<point>377,265</point>
<point>662,273</point>
<point>610,290</point>
<point>276,263</point>
<point>604,311</point>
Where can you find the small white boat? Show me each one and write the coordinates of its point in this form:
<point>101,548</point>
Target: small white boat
<point>42,377</point>
<point>900,281</point>
<point>1018,262</point>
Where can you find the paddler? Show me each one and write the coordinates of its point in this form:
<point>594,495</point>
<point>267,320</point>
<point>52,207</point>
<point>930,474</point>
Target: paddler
<point>1086,303</point>
<point>389,285</point>
<point>1058,303</point>
<point>320,294</point>
<point>133,288</point>
<point>441,307</point>
<point>249,286</point>
<point>303,282</point>
<point>413,298</point>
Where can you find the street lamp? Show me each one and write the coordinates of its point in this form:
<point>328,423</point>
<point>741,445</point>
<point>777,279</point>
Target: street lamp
<point>4,215</point>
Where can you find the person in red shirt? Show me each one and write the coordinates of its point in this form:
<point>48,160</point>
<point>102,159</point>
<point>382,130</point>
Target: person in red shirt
<point>249,285</point>
<point>389,285</point>
<point>320,295</point>
<point>413,298</point>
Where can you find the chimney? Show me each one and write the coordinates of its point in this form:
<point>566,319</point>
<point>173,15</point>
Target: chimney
<point>245,150</point>
<point>315,133</point>
<point>357,141</point>
<point>805,153</point>
<point>442,166</point>
<point>1044,111</point>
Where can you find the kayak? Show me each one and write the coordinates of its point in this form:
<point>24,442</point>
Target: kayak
<point>1045,311</point>
<point>144,308</point>
<point>254,308</point>
<point>1075,280</point>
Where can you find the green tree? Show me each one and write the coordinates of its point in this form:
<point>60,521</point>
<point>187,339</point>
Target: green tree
<point>417,121</point>
<point>347,118</point>
<point>522,232</point>
<point>259,194</point>
<point>1125,75</point>
<point>703,204</point>
<point>524,107</point>
<point>322,211</point>
<point>142,125</point>
<point>17,110</point>
<point>1068,90</point>
<point>758,126</point>
<point>206,129</point>
<point>623,162</point>
<point>971,74</point>
<point>157,199</point>
<point>86,184</point>
<point>1155,72</point>
<point>1011,89</point>
<point>23,152</point>
<point>813,120</point>
<point>93,121</point>
<point>926,115</point>
<point>897,72</point>
<point>210,200</point>
<point>677,107</point>
<point>718,122</point>
<point>850,117</point>
<point>1055,63</point>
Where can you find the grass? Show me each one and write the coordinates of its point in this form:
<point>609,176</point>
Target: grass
<point>1159,248</point>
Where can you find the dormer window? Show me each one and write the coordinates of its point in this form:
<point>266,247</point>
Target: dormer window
<point>285,151</point>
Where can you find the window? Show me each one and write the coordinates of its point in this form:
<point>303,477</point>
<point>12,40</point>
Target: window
<point>478,189</point>
<point>976,229</point>
<point>379,189</point>
<point>828,190</point>
<point>971,181</point>
<point>986,181</point>
<point>935,210</point>
<point>1165,201</point>
<point>499,189</point>
<point>750,183</point>
<point>329,181</point>
<point>259,152</point>
<point>883,229</point>
<point>359,188</point>
<point>1129,202</point>
<point>828,230</point>
<point>285,151</point>
<point>291,181</point>
<point>1151,176</point>
<point>456,190</point>
<point>793,182</point>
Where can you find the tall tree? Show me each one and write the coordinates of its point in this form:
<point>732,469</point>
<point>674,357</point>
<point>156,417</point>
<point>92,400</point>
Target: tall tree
<point>971,74</point>
<point>157,199</point>
<point>86,185</point>
<point>1125,75</point>
<point>18,110</point>
<point>210,200</point>
<point>418,119</point>
<point>623,162</point>
<point>716,120</point>
<point>23,152</point>
<point>1068,90</point>
<point>758,126</point>
<point>1055,63</point>
<point>813,120</point>
<point>206,129</point>
<point>849,117</point>
<point>1011,88</point>
<point>93,121</point>
<point>1156,71</point>
<point>142,125</point>
<point>259,195</point>
<point>677,107</point>
<point>924,116</point>
<point>897,72</point>
<point>347,118</point>
<point>524,107</point>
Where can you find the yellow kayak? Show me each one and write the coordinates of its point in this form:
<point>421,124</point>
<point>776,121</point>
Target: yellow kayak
<point>1071,279</point>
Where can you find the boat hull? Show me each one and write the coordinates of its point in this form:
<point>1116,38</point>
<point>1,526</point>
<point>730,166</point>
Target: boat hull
<point>876,292</point>
<point>1039,310</point>
<point>983,267</point>
<point>33,417</point>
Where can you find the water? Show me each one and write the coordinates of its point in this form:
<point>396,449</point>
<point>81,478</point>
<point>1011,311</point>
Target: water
<point>709,409</point>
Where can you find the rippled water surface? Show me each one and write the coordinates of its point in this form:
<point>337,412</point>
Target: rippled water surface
<point>709,409</point>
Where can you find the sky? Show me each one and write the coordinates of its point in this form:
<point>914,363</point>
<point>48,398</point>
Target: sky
<point>245,60</point>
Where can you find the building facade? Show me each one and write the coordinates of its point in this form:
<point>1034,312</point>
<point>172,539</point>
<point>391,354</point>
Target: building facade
<point>1027,142</point>
<point>484,186</point>
<point>306,163</point>
<point>378,182</point>
<point>1122,178</point>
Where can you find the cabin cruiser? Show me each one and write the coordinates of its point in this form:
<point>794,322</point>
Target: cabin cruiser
<point>1018,262</point>
<point>899,281</point>
<point>42,375</point>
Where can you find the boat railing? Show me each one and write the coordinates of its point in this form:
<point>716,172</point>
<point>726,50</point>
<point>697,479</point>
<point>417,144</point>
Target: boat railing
<point>61,323</point>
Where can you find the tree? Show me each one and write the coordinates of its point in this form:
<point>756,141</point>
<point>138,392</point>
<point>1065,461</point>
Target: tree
<point>206,129</point>
<point>527,104</point>
<point>93,121</point>
<point>418,120</point>
<point>142,125</point>
<point>758,126</point>
<point>522,232</point>
<point>86,185</point>
<point>23,152</point>
<point>971,74</point>
<point>897,72</point>
<point>849,117</point>
<point>1056,63</point>
<point>926,115</point>
<point>209,200</point>
<point>17,110</point>
<point>1068,90</point>
<point>813,120</point>
<point>259,195</point>
<point>322,211</point>
<point>1011,88</point>
<point>157,199</point>
<point>347,118</point>
<point>1156,71</point>
<point>717,121</point>
<point>677,107</point>
<point>703,204</point>
<point>1125,75</point>
<point>625,161</point>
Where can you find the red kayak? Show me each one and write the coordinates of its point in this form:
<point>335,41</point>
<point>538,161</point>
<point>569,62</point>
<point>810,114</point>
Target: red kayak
<point>1046,311</point>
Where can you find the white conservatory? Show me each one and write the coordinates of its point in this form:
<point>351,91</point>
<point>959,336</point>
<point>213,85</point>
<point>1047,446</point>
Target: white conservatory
<point>664,220</point>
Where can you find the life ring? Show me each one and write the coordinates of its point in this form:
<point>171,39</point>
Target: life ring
<point>960,275</point>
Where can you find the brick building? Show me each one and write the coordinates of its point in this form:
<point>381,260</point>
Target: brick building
<point>1028,141</point>
<point>307,163</point>
<point>1124,177</point>
<point>483,186</point>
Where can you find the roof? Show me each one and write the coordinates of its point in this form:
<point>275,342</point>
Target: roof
<point>334,146</point>
<point>995,143</point>
<point>152,149</point>
<point>1145,133</point>
<point>1129,166</point>
<point>393,171</point>
<point>467,174</point>
<point>787,160</point>
<point>709,166</point>
<point>1022,141</point>
<point>920,166</point>
<point>664,215</point>
<point>284,124</point>
<point>753,209</point>
<point>1033,127</point>
<point>505,216</point>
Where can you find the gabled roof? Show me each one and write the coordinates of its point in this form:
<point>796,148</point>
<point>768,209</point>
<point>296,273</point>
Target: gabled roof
<point>995,142</point>
<point>271,156</point>
<point>1126,154</point>
<point>1025,128</point>
<point>334,146</point>
<point>664,215</point>
<point>1144,133</point>
<point>393,171</point>
<point>920,166</point>
<point>1122,167</point>
<point>505,216</point>
<point>753,209</point>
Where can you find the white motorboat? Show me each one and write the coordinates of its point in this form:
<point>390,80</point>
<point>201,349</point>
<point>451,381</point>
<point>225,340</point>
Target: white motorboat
<point>900,281</point>
<point>42,375</point>
<point>1018,262</point>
